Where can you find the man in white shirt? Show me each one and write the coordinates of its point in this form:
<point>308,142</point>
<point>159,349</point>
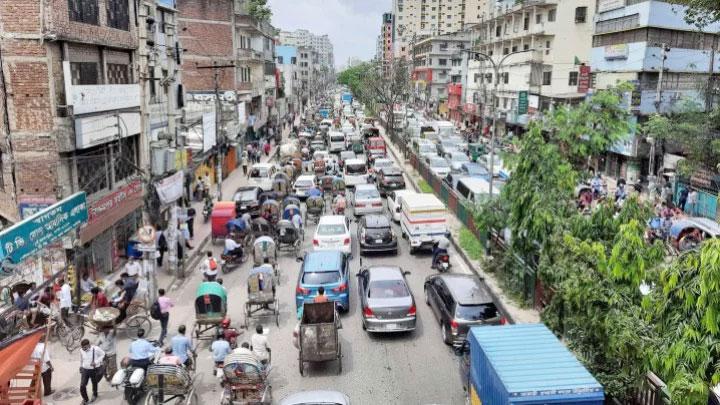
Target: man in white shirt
<point>209,267</point>
<point>232,248</point>
<point>91,365</point>
<point>258,342</point>
<point>65,297</point>
<point>40,353</point>
<point>132,267</point>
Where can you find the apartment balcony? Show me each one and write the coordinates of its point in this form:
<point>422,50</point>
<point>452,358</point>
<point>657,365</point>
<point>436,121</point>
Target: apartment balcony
<point>249,55</point>
<point>246,21</point>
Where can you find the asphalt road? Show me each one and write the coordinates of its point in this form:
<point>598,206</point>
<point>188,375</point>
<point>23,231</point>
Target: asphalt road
<point>408,368</point>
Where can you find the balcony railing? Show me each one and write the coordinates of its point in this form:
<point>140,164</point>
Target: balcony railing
<point>249,54</point>
<point>246,20</point>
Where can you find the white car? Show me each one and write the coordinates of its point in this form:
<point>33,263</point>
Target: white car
<point>438,166</point>
<point>355,172</point>
<point>427,149</point>
<point>261,175</point>
<point>456,160</point>
<point>303,184</point>
<point>366,200</point>
<point>333,233</point>
<point>381,163</point>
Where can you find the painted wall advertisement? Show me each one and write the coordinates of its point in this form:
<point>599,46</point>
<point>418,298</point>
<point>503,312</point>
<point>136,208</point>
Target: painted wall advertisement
<point>45,227</point>
<point>617,51</point>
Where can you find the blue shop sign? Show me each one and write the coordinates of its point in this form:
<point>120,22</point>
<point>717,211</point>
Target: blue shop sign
<point>34,233</point>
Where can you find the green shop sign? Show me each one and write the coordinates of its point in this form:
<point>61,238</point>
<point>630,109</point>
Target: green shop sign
<point>34,233</point>
<point>522,102</point>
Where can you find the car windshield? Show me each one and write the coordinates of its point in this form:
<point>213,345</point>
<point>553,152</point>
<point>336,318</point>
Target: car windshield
<point>331,229</point>
<point>357,168</point>
<point>337,138</point>
<point>383,163</point>
<point>366,194</point>
<point>303,183</point>
<point>387,289</point>
<point>459,157</point>
<point>347,155</point>
<point>475,170</point>
<point>476,312</point>
<point>393,178</point>
<point>321,277</point>
<point>247,195</point>
<point>426,147</point>
<point>438,162</point>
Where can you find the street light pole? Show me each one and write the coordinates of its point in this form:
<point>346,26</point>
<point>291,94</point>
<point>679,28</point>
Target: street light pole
<point>496,82</point>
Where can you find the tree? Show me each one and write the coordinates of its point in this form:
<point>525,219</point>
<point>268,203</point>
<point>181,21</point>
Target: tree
<point>701,13</point>
<point>352,77</point>
<point>386,86</point>
<point>259,10</point>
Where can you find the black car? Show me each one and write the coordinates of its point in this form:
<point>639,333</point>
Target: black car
<point>247,199</point>
<point>389,179</point>
<point>376,235</point>
<point>460,301</point>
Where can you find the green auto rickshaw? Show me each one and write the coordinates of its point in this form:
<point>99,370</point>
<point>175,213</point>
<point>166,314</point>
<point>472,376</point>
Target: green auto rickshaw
<point>476,150</point>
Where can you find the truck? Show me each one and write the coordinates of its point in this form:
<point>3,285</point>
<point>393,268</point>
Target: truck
<point>325,112</point>
<point>525,364</point>
<point>347,98</point>
<point>422,220</point>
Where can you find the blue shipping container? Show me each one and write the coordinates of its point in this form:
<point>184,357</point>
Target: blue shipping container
<point>527,364</point>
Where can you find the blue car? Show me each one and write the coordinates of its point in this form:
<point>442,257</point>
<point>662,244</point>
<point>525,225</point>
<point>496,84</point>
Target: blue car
<point>328,269</point>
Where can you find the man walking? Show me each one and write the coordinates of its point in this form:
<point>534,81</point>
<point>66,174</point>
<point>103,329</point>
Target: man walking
<point>165,305</point>
<point>65,297</point>
<point>91,364</point>
<point>42,354</point>
<point>107,341</point>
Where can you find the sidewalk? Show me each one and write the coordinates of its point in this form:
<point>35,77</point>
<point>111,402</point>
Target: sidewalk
<point>513,311</point>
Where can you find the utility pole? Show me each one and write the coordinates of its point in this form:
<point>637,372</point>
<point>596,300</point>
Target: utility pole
<point>664,49</point>
<point>710,95</point>
<point>219,136</point>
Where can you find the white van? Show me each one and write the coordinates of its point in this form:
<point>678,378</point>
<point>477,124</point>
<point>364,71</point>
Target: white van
<point>423,219</point>
<point>336,141</point>
<point>355,172</point>
<point>476,189</point>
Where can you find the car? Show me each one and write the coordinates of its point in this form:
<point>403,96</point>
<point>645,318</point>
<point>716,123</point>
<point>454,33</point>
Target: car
<point>261,175</point>
<point>387,304</point>
<point>446,145</point>
<point>320,397</point>
<point>452,179</point>
<point>381,163</point>
<point>456,159</point>
<point>346,155</point>
<point>438,166</point>
<point>333,233</point>
<point>393,202</point>
<point>389,178</point>
<point>375,234</point>
<point>247,199</point>
<point>474,170</point>
<point>366,200</point>
<point>355,172</point>
<point>303,184</point>
<point>460,301</point>
<point>328,269</point>
<point>427,149</point>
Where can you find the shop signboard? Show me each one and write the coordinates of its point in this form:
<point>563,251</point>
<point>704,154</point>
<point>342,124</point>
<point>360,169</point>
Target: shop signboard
<point>30,235</point>
<point>522,102</point>
<point>30,206</point>
<point>107,210</point>
<point>617,51</point>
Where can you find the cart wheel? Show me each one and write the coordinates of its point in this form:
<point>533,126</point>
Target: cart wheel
<point>150,400</point>
<point>135,308</point>
<point>134,323</point>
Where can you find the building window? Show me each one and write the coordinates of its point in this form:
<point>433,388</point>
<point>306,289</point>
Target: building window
<point>118,15</point>
<point>514,48</point>
<point>498,31</point>
<point>442,62</point>
<point>547,78</point>
<point>125,158</point>
<point>526,47</point>
<point>618,24</point>
<point>506,77</point>
<point>118,73</point>
<point>84,73</point>
<point>506,51</point>
<point>152,85</point>
<point>244,73</point>
<point>488,77</point>
<point>551,15</point>
<point>280,60</point>
<point>526,22</point>
<point>456,62</point>
<point>538,18</point>
<point>476,77</point>
<point>580,14</point>
<point>93,169</point>
<point>573,79</point>
<point>84,11</point>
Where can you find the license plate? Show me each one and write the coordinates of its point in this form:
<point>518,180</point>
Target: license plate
<point>391,326</point>
<point>378,240</point>
<point>393,184</point>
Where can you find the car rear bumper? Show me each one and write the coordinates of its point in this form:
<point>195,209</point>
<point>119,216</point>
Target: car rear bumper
<point>389,325</point>
<point>342,301</point>
<point>347,249</point>
<point>379,247</point>
<point>367,210</point>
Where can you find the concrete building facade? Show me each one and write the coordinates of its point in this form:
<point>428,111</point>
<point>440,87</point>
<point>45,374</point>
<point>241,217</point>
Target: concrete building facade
<point>305,38</point>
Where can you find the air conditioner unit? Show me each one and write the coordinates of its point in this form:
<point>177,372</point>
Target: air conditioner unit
<point>170,159</point>
<point>157,161</point>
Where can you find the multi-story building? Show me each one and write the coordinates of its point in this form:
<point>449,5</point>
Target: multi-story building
<point>71,84</point>
<point>552,40</point>
<point>287,61</point>
<point>418,19</point>
<point>308,71</point>
<point>379,48</point>
<point>438,60</point>
<point>305,38</point>
<point>231,54</point>
<point>634,43</point>
<point>387,32</point>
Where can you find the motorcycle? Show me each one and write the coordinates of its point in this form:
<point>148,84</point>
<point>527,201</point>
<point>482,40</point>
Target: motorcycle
<point>132,379</point>
<point>443,261</point>
<point>207,210</point>
<point>229,262</point>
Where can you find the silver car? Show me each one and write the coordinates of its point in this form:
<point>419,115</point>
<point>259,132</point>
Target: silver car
<point>316,397</point>
<point>367,200</point>
<point>386,301</point>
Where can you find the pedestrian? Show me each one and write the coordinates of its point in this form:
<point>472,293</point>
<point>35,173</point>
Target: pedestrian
<point>683,198</point>
<point>185,234</point>
<point>191,222</point>
<point>160,244</point>
<point>91,369</point>
<point>165,305</point>
<point>181,346</point>
<point>199,189</point>
<point>41,354</point>
<point>207,182</point>
<point>107,341</point>
<point>244,162</point>
<point>692,203</point>
<point>266,148</point>
<point>209,267</point>
<point>65,297</point>
<point>132,267</point>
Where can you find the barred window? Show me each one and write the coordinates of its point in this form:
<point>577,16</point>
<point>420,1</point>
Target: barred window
<point>125,154</point>
<point>83,11</point>
<point>618,24</point>
<point>118,73</point>
<point>84,73</point>
<point>93,169</point>
<point>118,15</point>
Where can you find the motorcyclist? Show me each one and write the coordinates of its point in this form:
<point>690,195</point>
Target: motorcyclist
<point>208,204</point>
<point>596,185</point>
<point>142,351</point>
<point>441,246</point>
<point>339,204</point>
<point>233,248</point>
<point>231,334</point>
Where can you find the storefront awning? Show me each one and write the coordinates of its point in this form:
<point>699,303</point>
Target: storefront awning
<point>16,355</point>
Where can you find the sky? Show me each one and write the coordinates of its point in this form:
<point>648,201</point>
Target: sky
<point>352,25</point>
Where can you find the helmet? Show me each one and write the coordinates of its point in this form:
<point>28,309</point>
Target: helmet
<point>225,323</point>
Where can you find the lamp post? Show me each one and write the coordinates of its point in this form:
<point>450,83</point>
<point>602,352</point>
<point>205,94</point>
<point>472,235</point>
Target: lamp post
<point>496,81</point>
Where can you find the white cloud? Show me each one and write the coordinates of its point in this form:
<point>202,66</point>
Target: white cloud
<point>353,25</point>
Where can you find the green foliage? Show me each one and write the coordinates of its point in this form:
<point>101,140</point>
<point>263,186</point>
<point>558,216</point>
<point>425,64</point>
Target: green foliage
<point>424,187</point>
<point>470,244</point>
<point>684,309</point>
<point>259,10</point>
<point>352,77</point>
<point>701,12</point>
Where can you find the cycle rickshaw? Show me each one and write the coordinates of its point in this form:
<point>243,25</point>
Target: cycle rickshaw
<point>289,237</point>
<point>290,210</point>
<point>210,310</point>
<point>262,299</point>
<point>270,210</point>
<point>315,208</point>
<point>245,381</point>
<point>265,252</point>
<point>168,384</point>
<point>261,227</point>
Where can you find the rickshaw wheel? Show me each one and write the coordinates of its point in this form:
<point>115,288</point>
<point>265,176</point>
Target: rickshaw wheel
<point>134,323</point>
<point>196,329</point>
<point>247,315</point>
<point>192,399</point>
<point>150,399</point>
<point>339,358</point>
<point>247,241</point>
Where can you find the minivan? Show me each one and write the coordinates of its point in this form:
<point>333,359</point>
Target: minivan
<point>336,140</point>
<point>476,189</point>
